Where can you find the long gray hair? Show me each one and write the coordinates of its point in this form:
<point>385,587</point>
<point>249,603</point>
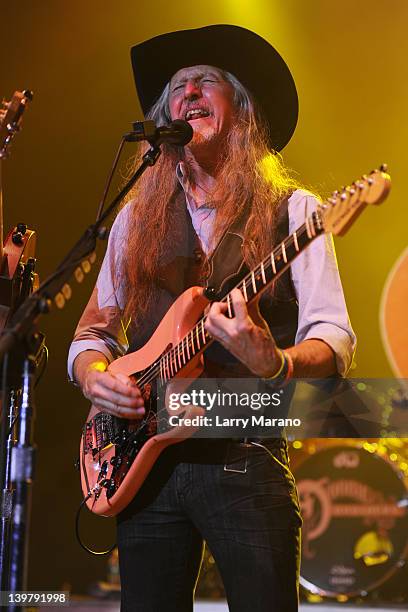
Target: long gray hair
<point>251,178</point>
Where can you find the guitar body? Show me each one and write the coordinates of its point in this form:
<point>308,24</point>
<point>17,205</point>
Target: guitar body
<point>116,471</point>
<point>394,326</point>
<point>19,245</point>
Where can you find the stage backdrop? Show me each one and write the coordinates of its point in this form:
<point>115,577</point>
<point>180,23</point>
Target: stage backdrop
<point>349,63</point>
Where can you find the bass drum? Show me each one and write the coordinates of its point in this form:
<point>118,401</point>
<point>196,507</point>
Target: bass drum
<point>355,520</point>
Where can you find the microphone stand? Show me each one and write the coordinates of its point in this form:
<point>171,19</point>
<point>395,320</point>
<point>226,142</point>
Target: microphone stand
<point>12,396</point>
<point>21,336</point>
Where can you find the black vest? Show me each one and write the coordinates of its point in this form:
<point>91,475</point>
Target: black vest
<point>180,268</point>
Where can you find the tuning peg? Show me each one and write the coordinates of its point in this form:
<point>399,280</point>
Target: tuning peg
<point>29,94</point>
<point>92,257</point>
<point>384,168</point>
<point>332,201</point>
<point>343,196</point>
<point>352,191</point>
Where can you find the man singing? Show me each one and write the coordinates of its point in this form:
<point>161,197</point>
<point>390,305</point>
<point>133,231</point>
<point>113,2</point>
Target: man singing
<point>239,97</point>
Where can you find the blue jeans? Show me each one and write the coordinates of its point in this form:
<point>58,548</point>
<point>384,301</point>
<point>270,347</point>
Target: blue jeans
<point>241,500</point>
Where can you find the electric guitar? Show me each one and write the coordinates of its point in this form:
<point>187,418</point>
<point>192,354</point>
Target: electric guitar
<point>17,277</point>
<point>116,454</point>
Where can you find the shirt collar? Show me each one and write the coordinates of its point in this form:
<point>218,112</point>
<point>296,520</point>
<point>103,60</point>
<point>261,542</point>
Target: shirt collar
<point>192,203</point>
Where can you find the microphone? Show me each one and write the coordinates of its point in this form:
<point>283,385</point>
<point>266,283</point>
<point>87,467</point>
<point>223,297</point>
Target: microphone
<point>178,132</point>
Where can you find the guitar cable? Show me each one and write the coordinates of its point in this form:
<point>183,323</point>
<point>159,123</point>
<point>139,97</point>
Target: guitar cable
<point>99,553</point>
<point>286,468</point>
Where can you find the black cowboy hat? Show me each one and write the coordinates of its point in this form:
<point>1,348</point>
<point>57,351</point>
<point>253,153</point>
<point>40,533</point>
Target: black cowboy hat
<point>246,55</point>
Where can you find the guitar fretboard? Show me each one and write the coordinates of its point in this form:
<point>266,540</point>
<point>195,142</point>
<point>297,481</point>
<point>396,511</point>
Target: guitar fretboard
<point>256,281</point>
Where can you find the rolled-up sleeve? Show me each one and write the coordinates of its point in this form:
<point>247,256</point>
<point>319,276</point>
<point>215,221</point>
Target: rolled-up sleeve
<point>322,308</point>
<point>101,326</point>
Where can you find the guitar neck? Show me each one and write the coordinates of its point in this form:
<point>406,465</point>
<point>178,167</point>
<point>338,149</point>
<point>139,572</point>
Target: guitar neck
<point>11,115</point>
<point>279,260</point>
<point>258,280</point>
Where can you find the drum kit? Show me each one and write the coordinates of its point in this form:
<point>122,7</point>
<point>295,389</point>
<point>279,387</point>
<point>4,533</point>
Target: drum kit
<point>354,500</point>
<point>354,504</point>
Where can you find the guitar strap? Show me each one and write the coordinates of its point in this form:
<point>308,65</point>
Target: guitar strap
<point>226,263</point>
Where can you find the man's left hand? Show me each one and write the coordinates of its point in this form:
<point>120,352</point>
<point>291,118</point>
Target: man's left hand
<point>252,344</point>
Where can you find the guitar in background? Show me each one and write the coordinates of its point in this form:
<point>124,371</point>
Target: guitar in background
<point>394,316</point>
<point>17,278</point>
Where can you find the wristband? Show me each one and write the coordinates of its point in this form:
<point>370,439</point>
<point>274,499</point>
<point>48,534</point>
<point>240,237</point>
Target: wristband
<point>289,373</point>
<point>281,367</point>
<point>285,371</point>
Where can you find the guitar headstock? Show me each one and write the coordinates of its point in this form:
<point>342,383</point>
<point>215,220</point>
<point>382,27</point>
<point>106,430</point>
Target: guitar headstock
<point>11,115</point>
<point>339,212</point>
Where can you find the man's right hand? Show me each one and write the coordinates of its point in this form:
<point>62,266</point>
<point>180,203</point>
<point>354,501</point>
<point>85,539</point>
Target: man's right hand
<point>117,394</point>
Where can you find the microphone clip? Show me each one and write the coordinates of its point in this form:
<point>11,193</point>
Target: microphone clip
<point>178,133</point>
<point>142,130</point>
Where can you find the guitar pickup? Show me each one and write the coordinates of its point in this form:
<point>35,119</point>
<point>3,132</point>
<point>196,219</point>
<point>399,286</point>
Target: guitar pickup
<point>101,432</point>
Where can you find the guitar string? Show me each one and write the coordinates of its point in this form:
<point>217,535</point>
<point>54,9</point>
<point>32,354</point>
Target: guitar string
<point>152,372</point>
<point>188,342</point>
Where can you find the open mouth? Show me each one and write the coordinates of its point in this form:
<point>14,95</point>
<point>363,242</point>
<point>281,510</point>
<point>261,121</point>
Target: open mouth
<point>196,113</point>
